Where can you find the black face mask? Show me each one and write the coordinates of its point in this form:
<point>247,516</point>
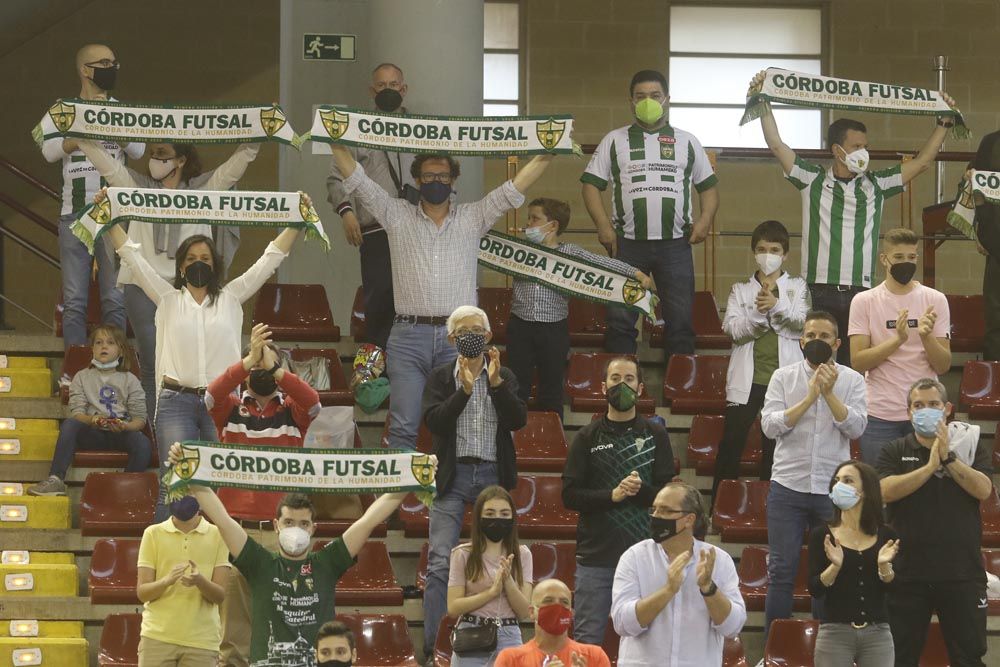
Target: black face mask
<point>334,663</point>
<point>388,99</point>
<point>903,272</point>
<point>435,192</point>
<point>261,382</point>
<point>198,274</point>
<point>817,351</point>
<point>184,508</point>
<point>662,529</point>
<point>496,529</point>
<point>104,77</point>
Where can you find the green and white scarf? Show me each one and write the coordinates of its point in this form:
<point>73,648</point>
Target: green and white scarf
<point>454,135</point>
<point>349,471</point>
<point>230,208</point>
<point>206,124</point>
<point>572,276</point>
<point>962,215</point>
<point>825,92</point>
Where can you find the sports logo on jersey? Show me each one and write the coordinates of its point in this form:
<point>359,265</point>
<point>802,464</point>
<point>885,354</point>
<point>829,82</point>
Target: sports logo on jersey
<point>422,469</point>
<point>666,149</point>
<point>632,291</point>
<point>549,133</point>
<point>335,123</point>
<point>62,115</point>
<point>272,120</point>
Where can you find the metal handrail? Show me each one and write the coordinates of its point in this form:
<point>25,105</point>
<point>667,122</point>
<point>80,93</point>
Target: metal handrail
<point>31,247</point>
<point>47,325</point>
<point>29,214</point>
<point>28,178</point>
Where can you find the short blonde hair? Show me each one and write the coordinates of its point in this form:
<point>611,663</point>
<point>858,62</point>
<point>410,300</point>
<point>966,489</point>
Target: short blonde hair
<point>462,312</point>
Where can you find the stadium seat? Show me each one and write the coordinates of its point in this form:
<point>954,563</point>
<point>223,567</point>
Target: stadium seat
<point>358,328</point>
<point>416,518</point>
<point>968,328</point>
<point>540,511</point>
<point>705,438</point>
<point>247,505</point>
<point>117,503</point>
<point>741,511</point>
<point>336,527</point>
<point>296,312</point>
<point>989,513</point>
<point>541,444</point>
<point>382,640</point>
<point>584,376</point>
<point>442,644</point>
<point>496,302</point>
<point>78,357</point>
<point>792,642</point>
<point>733,654</point>
<point>695,384</point>
<point>752,571</point>
<point>554,561</point>
<point>339,393</point>
<point>611,643</point>
<point>421,578</point>
<point>93,312</point>
<point>991,561</point>
<point>587,323</point>
<point>979,392</point>
<point>424,439</point>
<point>120,641</point>
<point>708,333</point>
<point>114,571</point>
<point>370,581</point>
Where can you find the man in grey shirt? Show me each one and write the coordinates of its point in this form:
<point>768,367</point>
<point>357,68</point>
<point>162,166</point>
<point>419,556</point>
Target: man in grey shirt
<point>361,229</point>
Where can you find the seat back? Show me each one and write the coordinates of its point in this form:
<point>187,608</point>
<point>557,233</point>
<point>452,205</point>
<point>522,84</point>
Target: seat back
<point>382,640</point>
<point>587,323</point>
<point>989,514</point>
<point>540,510</point>
<point>78,357</point>
<point>791,642</point>
<point>707,325</point>
<point>495,301</point>
<point>696,384</point>
<point>114,571</point>
<point>421,579</point>
<point>120,640</point>
<point>584,376</point>
<point>371,580</point>
<point>705,437</point>
<point>753,577</point>
<point>979,392</point>
<point>442,643</point>
<point>968,326</point>
<point>611,643</point>
<point>741,510</point>
<point>339,393</point>
<point>733,654</point>
<point>118,503</point>
<point>541,444</point>
<point>296,312</point>
<point>554,561</point>
<point>358,328</point>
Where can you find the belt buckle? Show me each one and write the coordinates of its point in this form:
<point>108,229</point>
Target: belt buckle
<point>859,626</point>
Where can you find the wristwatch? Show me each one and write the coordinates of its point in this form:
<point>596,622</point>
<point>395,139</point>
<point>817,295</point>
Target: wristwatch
<point>712,590</point>
<point>942,121</point>
<point>949,460</point>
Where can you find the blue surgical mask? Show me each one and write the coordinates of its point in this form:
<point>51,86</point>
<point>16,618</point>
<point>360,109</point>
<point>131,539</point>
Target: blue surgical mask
<point>536,234</point>
<point>925,421</point>
<point>844,496</point>
<point>105,365</point>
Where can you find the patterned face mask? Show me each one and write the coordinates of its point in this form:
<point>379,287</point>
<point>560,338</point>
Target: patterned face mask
<point>471,345</point>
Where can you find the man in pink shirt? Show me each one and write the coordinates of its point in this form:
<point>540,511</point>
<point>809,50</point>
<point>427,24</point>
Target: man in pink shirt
<point>900,332</point>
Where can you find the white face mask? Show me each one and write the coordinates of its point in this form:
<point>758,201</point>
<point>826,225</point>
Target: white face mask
<point>536,234</point>
<point>160,169</point>
<point>768,263</point>
<point>856,161</point>
<point>104,365</point>
<point>293,540</point>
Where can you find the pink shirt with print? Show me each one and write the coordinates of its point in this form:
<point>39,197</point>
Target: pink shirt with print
<point>498,607</point>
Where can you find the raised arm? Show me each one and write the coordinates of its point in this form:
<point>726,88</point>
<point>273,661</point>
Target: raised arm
<point>380,510</point>
<point>928,154</point>
<point>527,175</point>
<point>780,150</point>
<point>114,172</point>
<point>232,532</point>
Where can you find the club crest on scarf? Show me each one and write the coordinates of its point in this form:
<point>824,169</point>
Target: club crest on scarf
<point>422,469</point>
<point>272,120</point>
<point>550,132</point>
<point>335,123</point>
<point>62,115</point>
<point>632,291</point>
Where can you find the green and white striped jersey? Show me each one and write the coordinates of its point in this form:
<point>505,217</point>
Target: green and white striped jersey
<point>652,176</point>
<point>841,221</point>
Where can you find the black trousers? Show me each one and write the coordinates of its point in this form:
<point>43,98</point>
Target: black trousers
<point>376,282</point>
<point>991,303</point>
<point>961,608</point>
<point>739,419</point>
<point>836,300</point>
<point>542,346</point>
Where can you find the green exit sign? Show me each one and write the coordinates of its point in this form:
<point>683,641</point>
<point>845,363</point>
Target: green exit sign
<point>329,47</point>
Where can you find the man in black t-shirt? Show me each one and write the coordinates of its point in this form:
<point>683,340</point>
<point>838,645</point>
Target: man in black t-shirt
<point>613,471</point>
<point>933,481</point>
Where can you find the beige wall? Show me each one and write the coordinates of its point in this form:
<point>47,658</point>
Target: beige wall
<point>581,54</point>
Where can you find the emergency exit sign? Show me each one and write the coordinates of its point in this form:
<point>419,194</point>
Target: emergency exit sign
<point>329,47</point>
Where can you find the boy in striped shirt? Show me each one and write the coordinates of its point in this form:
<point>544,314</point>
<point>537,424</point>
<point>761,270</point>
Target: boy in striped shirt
<point>842,208</point>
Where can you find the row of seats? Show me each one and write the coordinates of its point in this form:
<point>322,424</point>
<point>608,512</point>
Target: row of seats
<point>792,643</point>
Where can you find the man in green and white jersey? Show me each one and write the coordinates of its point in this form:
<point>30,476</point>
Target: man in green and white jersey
<point>842,209</point>
<point>656,172</point>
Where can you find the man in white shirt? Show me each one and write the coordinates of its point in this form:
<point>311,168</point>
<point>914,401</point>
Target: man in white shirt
<point>97,68</point>
<point>675,598</point>
<point>812,410</point>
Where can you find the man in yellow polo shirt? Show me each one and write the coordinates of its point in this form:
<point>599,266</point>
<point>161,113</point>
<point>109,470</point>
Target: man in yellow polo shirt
<point>183,568</point>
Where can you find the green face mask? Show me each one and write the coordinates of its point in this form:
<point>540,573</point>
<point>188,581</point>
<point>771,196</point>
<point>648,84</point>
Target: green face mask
<point>621,397</point>
<point>648,111</point>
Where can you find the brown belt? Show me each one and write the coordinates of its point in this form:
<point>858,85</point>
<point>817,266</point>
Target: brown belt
<point>173,386</point>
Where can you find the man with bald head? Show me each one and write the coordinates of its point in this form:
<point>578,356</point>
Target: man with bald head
<point>552,612</point>
<point>97,68</point>
<point>361,229</point>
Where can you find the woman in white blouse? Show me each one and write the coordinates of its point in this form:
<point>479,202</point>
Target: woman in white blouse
<point>199,323</point>
<point>174,167</point>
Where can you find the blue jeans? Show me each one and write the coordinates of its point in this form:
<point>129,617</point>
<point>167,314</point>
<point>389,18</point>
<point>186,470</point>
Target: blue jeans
<point>671,265</point>
<point>789,515</point>
<point>592,603</point>
<point>508,636</point>
<point>446,526</point>
<point>76,264</point>
<point>179,417</point>
<point>142,314</point>
<point>74,435</point>
<point>413,351</point>
<point>877,433</point>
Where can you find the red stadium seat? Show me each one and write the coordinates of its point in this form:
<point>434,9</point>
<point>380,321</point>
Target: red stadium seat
<point>584,376</point>
<point>587,323</point>
<point>991,561</point>
<point>733,654</point>
<point>421,580</point>
<point>339,393</point>
<point>705,438</point>
<point>442,644</point>
<point>370,581</point>
<point>117,503</point>
<point>752,571</point>
<point>358,328</point>
<point>120,641</point>
<point>541,444</point>
<point>113,572</point>
<point>979,392</point>
<point>257,509</point>
<point>611,643</point>
<point>425,441</point>
<point>968,327</point>
<point>792,642</point>
<point>496,302</point>
<point>989,514</point>
<point>416,519</point>
<point>741,511</point>
<point>382,640</point>
<point>554,561</point>
<point>695,384</point>
<point>93,312</point>
<point>296,312</point>
<point>78,357</point>
<point>708,333</point>
<point>336,527</point>
<point>996,449</point>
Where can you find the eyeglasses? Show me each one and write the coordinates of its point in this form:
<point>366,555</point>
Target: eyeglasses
<point>660,511</point>
<point>479,331</point>
<point>440,178</point>
<point>106,63</point>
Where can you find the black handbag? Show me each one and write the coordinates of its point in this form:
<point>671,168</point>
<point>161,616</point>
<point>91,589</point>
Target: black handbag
<point>477,639</point>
